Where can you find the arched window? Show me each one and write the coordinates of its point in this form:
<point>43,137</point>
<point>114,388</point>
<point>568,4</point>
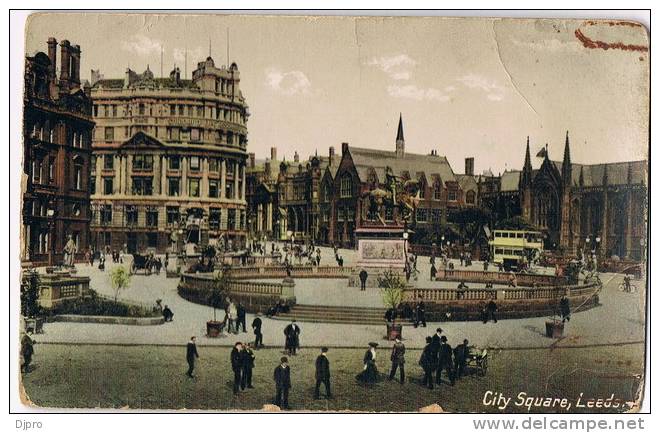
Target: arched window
<point>346,186</point>
<point>470,197</point>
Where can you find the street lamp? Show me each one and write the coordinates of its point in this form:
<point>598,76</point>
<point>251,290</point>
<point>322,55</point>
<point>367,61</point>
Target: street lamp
<point>51,223</point>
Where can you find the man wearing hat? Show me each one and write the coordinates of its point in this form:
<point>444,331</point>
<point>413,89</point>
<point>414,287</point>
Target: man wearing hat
<point>435,342</point>
<point>292,340</point>
<point>444,361</point>
<point>282,377</point>
<point>236,358</point>
<point>427,362</point>
<point>461,353</point>
<point>322,374</point>
<point>397,358</point>
<point>191,355</point>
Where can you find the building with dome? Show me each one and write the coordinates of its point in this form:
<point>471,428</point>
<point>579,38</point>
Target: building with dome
<point>169,160</point>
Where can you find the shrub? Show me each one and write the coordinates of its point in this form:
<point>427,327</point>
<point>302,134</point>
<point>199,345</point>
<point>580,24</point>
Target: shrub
<point>120,279</point>
<point>97,306</point>
<point>391,288</point>
<point>30,294</point>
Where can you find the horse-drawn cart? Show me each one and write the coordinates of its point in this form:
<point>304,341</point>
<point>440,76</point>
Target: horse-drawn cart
<point>142,262</point>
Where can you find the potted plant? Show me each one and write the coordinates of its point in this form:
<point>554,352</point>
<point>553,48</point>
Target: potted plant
<point>30,308</point>
<point>216,300</point>
<point>391,288</point>
<point>120,279</point>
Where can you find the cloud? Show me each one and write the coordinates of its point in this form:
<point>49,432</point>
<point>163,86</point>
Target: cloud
<point>494,91</point>
<point>411,91</point>
<point>288,83</point>
<point>398,67</point>
<point>194,55</point>
<point>142,45</point>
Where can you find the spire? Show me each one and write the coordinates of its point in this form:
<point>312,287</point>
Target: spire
<point>526,176</point>
<point>400,142</point>
<point>567,151</point>
<point>399,133</point>
<point>566,166</point>
<point>528,158</point>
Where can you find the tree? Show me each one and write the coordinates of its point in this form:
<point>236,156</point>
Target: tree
<point>515,223</point>
<point>120,279</point>
<point>219,290</point>
<point>391,288</point>
<point>30,294</point>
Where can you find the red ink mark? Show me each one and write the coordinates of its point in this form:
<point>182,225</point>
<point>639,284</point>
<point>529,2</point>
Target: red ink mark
<point>590,43</point>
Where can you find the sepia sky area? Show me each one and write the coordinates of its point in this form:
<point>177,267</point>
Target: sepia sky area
<point>465,87</point>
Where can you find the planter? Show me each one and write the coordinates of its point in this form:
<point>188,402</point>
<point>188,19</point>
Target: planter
<point>213,328</point>
<point>394,331</point>
<point>554,328</point>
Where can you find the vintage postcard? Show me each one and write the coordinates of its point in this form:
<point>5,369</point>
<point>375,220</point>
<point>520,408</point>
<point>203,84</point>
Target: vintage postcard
<point>333,213</point>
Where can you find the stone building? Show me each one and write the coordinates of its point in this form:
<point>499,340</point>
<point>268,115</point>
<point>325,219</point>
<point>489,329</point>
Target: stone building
<point>57,131</point>
<point>169,160</point>
<point>598,207</point>
<point>343,201</point>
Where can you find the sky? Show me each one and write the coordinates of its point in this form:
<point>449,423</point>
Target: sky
<point>466,87</point>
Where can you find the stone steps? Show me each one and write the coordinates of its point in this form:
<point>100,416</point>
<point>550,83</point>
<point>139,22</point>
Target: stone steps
<point>335,314</point>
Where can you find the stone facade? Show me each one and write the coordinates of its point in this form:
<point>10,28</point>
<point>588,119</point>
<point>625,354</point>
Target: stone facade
<point>57,132</point>
<point>169,160</point>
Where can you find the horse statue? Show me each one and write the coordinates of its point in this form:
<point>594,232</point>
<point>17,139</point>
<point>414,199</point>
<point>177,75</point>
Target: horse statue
<point>398,193</point>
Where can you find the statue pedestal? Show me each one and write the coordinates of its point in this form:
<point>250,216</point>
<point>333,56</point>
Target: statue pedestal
<point>379,249</point>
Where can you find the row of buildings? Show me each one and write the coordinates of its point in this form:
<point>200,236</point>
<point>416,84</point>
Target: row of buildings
<point>144,163</point>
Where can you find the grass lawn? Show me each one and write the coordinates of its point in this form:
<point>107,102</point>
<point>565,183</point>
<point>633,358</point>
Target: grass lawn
<point>145,377</point>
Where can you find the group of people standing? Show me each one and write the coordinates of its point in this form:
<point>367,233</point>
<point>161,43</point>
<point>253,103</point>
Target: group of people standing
<point>438,356</point>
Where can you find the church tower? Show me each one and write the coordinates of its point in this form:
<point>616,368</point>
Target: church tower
<point>565,238</point>
<point>525,186</point>
<point>400,141</point>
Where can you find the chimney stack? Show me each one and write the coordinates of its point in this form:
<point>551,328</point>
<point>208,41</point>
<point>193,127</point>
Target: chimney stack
<point>74,75</point>
<point>52,55</point>
<point>65,65</point>
<point>251,159</point>
<point>273,153</point>
<point>331,154</point>
<point>267,167</point>
<point>344,148</point>
<point>296,157</point>
<point>469,166</point>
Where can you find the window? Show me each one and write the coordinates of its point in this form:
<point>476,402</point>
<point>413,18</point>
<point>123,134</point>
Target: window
<point>96,110</point>
<point>142,186</point>
<point>92,185</point>
<point>173,186</point>
<point>470,197</point>
<point>193,187</point>
<point>114,111</point>
<point>51,170</point>
<point>437,192</point>
<point>152,217</point>
<point>173,215</point>
<point>106,214</point>
<point>77,176</point>
<point>230,168</point>
<point>346,186</point>
<point>143,162</point>
<point>230,137</point>
<point>109,133</point>
<point>174,163</point>
<point>229,190</point>
<point>214,218</point>
<point>451,195</point>
<point>436,214</point>
<point>213,188</point>
<point>213,165</point>
<point>141,109</point>
<point>194,134</point>
<point>175,134</point>
<point>231,219</point>
<point>194,163</point>
<point>108,162</point>
<point>107,185</point>
<point>36,171</point>
<point>152,240</point>
<point>92,164</point>
<point>200,111</point>
<point>172,110</point>
<point>422,215</point>
<point>180,110</point>
<point>131,215</point>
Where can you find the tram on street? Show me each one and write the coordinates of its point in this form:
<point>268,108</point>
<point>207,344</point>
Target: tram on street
<point>512,248</point>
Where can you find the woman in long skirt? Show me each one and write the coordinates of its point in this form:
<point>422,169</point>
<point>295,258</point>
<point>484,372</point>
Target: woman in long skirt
<point>369,373</point>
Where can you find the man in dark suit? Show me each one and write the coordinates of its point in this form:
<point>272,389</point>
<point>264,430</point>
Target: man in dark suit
<point>247,363</point>
<point>461,353</point>
<point>427,362</point>
<point>363,279</point>
<point>236,358</point>
<point>258,336</point>
<point>398,359</point>
<point>240,312</point>
<point>292,337</point>
<point>420,313</point>
<point>282,377</point>
<point>444,361</point>
<point>191,355</point>
<point>490,310</point>
<point>322,373</point>
<point>435,342</point>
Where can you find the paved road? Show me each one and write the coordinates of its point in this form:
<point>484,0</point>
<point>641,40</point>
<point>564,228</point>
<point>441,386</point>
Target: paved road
<point>619,319</point>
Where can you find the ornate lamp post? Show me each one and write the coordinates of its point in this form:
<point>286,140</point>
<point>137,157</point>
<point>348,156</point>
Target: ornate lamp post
<point>51,212</point>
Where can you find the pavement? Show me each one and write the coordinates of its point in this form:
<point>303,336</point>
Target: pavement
<point>619,320</point>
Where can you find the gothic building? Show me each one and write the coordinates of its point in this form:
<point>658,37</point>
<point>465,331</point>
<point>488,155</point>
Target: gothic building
<point>169,160</point>
<point>57,131</point>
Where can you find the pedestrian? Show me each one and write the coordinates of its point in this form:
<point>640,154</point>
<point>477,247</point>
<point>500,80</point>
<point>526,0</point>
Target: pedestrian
<point>232,322</point>
<point>461,353</point>
<point>398,359</point>
<point>390,315</point>
<point>444,361</point>
<point>191,355</point>
<point>292,337</point>
<point>247,364</point>
<point>363,279</point>
<point>322,374</point>
<point>236,358</point>
<point>435,342</point>
<point>565,309</point>
<point>340,261</point>
<point>167,314</point>
<point>240,314</point>
<point>434,272</point>
<point>282,377</point>
<point>489,312</point>
<point>369,373</point>
<point>258,336</point>
<point>420,313</point>
<point>27,350</point>
<point>427,362</point>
